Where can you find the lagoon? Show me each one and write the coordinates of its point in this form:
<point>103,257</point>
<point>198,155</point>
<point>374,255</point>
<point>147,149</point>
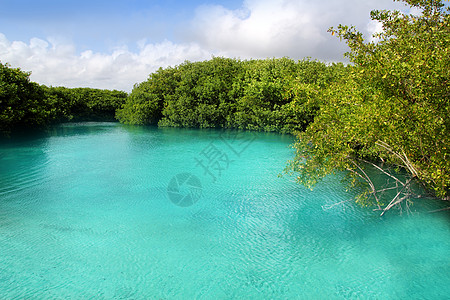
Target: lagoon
<point>110,211</point>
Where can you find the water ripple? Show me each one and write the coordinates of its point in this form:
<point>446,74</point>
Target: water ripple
<point>84,213</point>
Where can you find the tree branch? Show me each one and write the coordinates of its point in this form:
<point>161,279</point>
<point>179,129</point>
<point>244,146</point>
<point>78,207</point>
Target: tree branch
<point>367,178</point>
<point>386,173</point>
<point>394,202</point>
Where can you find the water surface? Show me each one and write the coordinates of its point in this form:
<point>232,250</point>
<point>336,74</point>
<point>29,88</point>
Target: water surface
<point>85,212</point>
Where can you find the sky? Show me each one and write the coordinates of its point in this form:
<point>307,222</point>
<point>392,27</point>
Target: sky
<point>114,44</point>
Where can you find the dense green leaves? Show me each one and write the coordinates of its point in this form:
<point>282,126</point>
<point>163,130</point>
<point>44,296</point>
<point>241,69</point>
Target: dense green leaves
<point>25,104</point>
<point>22,102</point>
<point>84,104</point>
<point>393,108</point>
<point>271,95</point>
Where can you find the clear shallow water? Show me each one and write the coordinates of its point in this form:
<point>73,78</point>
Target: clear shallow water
<point>85,213</point>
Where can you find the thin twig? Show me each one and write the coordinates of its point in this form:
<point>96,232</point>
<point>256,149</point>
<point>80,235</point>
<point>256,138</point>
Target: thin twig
<point>438,210</point>
<point>404,158</point>
<point>386,173</point>
<point>386,189</point>
<point>394,202</point>
<point>372,186</point>
<point>326,207</point>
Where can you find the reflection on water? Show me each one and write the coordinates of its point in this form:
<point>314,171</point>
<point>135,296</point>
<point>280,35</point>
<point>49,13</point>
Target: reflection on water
<point>84,213</point>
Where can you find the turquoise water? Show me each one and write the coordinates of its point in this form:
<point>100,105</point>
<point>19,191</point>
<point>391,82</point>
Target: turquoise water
<point>97,211</point>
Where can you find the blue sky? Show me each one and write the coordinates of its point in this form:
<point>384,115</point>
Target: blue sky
<point>114,44</point>
<point>99,25</point>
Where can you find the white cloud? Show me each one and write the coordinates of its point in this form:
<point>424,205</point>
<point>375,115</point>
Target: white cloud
<point>259,29</point>
<point>58,64</point>
<point>294,28</point>
<point>374,27</point>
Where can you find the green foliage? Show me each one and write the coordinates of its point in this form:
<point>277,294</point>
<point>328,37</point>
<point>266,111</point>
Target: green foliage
<point>85,104</point>
<point>22,102</point>
<point>146,102</point>
<point>228,93</point>
<point>393,108</point>
<point>203,94</point>
<point>25,104</point>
